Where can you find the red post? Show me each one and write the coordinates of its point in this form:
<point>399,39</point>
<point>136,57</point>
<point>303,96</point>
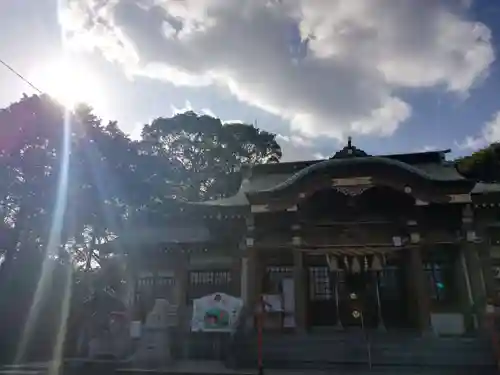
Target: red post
<point>260,322</point>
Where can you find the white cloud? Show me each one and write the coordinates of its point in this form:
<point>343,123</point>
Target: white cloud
<point>135,134</point>
<point>320,156</point>
<point>384,120</point>
<point>177,110</point>
<point>329,67</point>
<point>490,133</point>
<point>208,112</point>
<point>427,148</point>
<point>295,147</point>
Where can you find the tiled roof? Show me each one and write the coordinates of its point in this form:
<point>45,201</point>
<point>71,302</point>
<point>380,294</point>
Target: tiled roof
<point>153,236</point>
<point>260,182</point>
<point>484,188</point>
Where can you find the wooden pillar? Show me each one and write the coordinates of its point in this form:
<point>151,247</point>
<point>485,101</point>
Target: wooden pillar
<point>300,291</point>
<point>484,249</point>
<point>419,304</point>
<point>476,277</point>
<point>236,276</point>
<point>419,288</point>
<point>181,272</point>
<point>251,263</point>
<point>132,288</point>
<point>251,292</point>
<point>254,282</point>
<point>484,254</point>
<point>244,280</point>
<point>463,290</point>
<point>183,315</point>
<point>473,266</point>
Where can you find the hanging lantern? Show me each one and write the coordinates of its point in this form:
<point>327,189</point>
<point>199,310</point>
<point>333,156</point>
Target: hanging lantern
<point>397,241</point>
<point>415,237</point>
<point>333,263</point>
<point>376,264</point>
<point>471,236</point>
<point>356,267</point>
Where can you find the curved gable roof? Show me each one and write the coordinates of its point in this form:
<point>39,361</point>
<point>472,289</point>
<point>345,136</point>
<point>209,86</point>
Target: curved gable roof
<point>271,180</point>
<point>436,178</point>
<point>424,173</point>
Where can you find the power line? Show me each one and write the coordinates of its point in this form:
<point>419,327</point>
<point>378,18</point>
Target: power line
<point>19,75</point>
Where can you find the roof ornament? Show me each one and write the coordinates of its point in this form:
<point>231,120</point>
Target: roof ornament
<point>349,151</point>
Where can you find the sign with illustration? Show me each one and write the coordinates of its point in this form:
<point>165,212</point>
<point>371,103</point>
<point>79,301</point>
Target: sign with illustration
<point>273,302</point>
<point>216,312</point>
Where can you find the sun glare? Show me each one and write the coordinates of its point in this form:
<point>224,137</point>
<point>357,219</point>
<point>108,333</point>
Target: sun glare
<point>69,83</point>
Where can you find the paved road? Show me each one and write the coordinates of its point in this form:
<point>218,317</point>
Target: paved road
<point>213,368</point>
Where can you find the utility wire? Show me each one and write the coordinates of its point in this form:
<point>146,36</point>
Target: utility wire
<point>19,75</point>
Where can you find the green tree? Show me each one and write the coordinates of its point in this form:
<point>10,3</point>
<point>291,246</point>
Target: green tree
<point>204,154</point>
<point>31,165</point>
<point>112,184</point>
<point>482,165</point>
<point>30,152</point>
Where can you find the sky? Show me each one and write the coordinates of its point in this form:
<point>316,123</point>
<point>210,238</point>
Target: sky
<point>396,75</point>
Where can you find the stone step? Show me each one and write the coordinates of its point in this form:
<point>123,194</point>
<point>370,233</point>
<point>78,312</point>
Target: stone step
<point>429,351</point>
<point>304,370</point>
<point>429,345</point>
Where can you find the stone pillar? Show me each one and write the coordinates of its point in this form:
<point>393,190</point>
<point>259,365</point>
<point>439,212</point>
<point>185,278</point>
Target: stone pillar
<point>418,286</point>
<point>155,344</point>
<point>299,282</point>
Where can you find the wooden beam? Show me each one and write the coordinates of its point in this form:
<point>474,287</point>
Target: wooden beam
<point>460,198</point>
<point>259,208</point>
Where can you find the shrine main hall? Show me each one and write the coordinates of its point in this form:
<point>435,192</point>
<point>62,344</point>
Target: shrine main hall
<point>390,242</point>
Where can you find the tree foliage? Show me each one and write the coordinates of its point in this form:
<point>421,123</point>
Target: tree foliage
<point>204,154</point>
<point>482,165</point>
<point>111,183</point>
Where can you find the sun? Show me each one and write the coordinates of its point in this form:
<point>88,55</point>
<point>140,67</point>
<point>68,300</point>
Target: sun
<point>69,82</point>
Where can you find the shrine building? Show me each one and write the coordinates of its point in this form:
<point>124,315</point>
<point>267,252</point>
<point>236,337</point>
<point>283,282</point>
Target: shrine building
<point>400,243</point>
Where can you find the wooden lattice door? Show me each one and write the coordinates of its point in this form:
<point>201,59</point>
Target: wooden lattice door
<point>322,305</point>
<point>205,282</point>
